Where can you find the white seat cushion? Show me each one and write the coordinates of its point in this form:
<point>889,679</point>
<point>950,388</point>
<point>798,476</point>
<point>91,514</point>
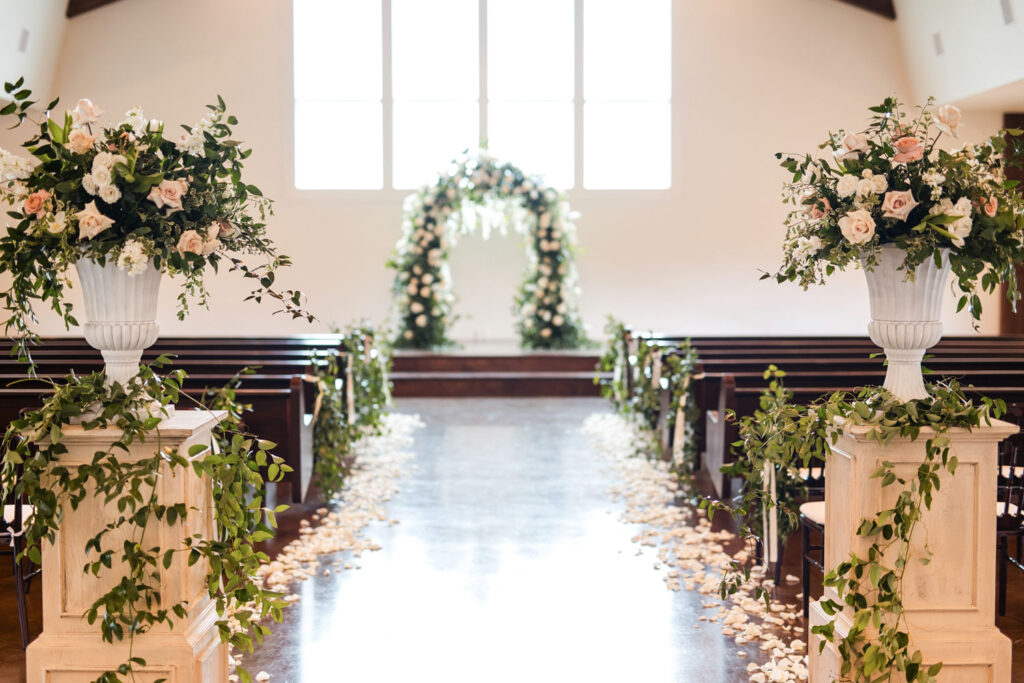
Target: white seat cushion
<point>1002,508</point>
<point>9,510</point>
<point>814,511</point>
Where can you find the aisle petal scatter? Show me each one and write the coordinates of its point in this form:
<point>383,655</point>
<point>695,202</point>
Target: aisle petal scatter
<point>380,462</point>
<point>693,556</point>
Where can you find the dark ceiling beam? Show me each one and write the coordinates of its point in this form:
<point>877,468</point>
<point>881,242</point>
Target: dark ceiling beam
<point>882,7</point>
<point>76,7</point>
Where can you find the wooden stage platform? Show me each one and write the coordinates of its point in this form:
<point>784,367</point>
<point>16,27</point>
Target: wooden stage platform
<point>494,370</point>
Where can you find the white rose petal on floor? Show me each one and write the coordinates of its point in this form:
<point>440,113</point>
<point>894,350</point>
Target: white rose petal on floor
<point>693,556</point>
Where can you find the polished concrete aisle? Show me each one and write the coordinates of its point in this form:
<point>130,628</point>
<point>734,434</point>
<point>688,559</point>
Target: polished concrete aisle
<point>509,564</point>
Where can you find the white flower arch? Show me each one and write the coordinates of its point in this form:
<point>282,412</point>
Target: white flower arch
<point>476,191</point>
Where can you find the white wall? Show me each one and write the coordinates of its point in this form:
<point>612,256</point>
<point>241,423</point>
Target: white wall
<point>980,51</point>
<point>750,77</point>
<point>31,33</point>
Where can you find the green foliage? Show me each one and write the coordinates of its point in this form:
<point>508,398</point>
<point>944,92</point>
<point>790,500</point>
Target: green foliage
<point>545,305</point>
<point>236,464</point>
<point>613,360</point>
<point>878,646</point>
<point>119,171</point>
<point>654,368</point>
<point>337,422</point>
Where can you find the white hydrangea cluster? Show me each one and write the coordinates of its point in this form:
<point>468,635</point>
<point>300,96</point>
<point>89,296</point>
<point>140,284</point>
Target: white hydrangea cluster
<point>193,142</point>
<point>133,257</point>
<point>13,167</point>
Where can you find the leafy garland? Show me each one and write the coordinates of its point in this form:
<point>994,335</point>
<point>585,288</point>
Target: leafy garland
<point>653,371</point>
<point>789,436</point>
<point>436,214</point>
<point>238,465</point>
<point>335,428</point>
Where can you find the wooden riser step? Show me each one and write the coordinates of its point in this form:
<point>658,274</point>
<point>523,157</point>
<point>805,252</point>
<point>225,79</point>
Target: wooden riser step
<point>474,374</point>
<point>478,384</point>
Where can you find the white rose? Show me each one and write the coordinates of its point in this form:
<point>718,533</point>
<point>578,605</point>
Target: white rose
<point>85,112</point>
<point>421,321</point>
<point>865,187</point>
<point>425,292</point>
<point>557,321</point>
<point>858,227</point>
<point>546,332</point>
<point>434,257</point>
<point>948,119</point>
<point>416,307</point>
<point>407,334</point>
<point>544,221</point>
<point>847,185</point>
<point>101,175</point>
<point>89,184</point>
<point>110,193</point>
<point>412,288</point>
<point>881,183</point>
<point>102,160</point>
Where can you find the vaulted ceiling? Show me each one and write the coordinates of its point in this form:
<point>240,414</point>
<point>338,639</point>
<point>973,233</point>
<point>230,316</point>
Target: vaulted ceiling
<point>883,7</point>
<point>76,7</point>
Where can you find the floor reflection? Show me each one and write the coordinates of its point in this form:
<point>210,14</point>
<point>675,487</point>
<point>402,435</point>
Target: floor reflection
<point>509,564</point>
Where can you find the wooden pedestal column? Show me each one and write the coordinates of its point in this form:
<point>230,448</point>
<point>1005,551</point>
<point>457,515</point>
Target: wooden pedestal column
<point>69,649</point>
<point>950,602</point>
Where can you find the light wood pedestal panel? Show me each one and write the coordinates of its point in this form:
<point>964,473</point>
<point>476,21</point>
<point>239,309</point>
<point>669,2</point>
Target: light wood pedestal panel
<point>950,602</point>
<point>69,649</point>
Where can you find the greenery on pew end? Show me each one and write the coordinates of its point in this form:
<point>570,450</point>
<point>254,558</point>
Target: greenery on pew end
<point>652,371</point>
<point>236,463</point>
<point>367,365</point>
<point>870,585</point>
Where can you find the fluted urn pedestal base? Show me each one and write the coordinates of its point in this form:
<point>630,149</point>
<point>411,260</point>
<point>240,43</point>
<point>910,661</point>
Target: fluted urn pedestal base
<point>950,602</point>
<point>905,316</point>
<point>70,650</point>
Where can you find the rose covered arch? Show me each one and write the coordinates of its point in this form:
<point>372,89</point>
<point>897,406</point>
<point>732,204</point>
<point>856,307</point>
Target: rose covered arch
<point>474,192</point>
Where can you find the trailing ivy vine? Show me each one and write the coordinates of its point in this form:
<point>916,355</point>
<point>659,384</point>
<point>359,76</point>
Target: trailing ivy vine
<point>236,463</point>
<point>869,585</point>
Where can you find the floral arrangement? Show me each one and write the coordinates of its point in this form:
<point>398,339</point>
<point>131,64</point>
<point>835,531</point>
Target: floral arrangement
<point>131,193</point>
<point>433,217</point>
<point>892,184</point>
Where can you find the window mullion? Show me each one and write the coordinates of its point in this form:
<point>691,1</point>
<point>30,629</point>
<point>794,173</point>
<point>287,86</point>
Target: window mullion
<point>482,95</point>
<point>578,96</point>
<point>387,99</point>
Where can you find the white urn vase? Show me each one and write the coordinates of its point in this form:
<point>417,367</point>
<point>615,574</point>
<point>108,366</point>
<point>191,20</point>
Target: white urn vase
<point>905,316</point>
<point>120,315</point>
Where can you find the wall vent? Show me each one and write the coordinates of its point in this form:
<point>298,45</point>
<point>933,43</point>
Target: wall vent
<point>23,40</point>
<point>937,42</point>
<point>1007,7</point>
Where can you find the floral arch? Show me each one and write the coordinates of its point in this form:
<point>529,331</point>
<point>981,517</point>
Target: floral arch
<point>478,191</point>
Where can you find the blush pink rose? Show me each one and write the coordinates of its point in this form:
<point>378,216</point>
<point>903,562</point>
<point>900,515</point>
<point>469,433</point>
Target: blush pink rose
<point>991,206</point>
<point>898,204</point>
<point>190,242</point>
<point>168,194</point>
<point>858,227</point>
<point>35,203</point>
<point>855,142</point>
<point>908,149</point>
<point>821,207</point>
